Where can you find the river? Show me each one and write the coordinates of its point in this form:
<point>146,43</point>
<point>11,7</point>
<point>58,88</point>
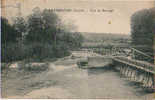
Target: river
<point>65,80</point>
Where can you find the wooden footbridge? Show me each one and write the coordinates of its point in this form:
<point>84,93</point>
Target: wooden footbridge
<point>138,71</point>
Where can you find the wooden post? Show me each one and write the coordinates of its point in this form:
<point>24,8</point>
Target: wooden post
<point>121,70</point>
<point>127,70</point>
<point>144,80</point>
<point>133,54</point>
<point>133,73</point>
<point>154,63</point>
<point>149,81</point>
<point>130,74</point>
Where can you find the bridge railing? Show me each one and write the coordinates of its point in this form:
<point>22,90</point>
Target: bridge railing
<point>139,64</point>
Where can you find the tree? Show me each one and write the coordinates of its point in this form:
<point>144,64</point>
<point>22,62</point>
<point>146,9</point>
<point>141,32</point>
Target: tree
<point>10,50</point>
<point>20,25</point>
<point>142,30</point>
<point>76,39</point>
<point>46,27</point>
<point>45,37</point>
<point>42,26</point>
<point>9,34</point>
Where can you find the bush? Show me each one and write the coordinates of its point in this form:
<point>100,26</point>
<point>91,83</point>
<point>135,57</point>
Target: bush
<point>61,50</point>
<point>12,52</point>
<point>37,51</point>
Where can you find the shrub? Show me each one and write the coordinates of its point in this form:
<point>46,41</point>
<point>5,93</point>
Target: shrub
<point>12,52</point>
<point>61,50</point>
<point>37,51</point>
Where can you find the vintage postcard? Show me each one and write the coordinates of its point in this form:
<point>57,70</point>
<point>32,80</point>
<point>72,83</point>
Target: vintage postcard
<point>77,49</point>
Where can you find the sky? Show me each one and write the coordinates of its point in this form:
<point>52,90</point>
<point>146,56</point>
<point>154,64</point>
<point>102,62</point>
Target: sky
<point>117,21</point>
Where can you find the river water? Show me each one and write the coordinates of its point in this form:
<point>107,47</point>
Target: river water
<point>65,80</point>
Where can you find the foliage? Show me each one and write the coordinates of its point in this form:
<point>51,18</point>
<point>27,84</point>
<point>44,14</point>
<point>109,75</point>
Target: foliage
<point>72,39</point>
<point>41,36</point>
<point>20,25</point>
<point>142,29</point>
<point>12,52</point>
<point>9,38</point>
<point>42,26</point>
<point>37,51</point>
<point>9,34</point>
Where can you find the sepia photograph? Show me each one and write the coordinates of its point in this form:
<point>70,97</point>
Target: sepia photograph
<point>78,49</point>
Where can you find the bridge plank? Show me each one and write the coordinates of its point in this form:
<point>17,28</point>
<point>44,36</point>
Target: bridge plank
<point>133,65</point>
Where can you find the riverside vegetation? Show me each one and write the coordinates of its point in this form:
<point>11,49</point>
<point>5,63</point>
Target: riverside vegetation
<point>40,35</point>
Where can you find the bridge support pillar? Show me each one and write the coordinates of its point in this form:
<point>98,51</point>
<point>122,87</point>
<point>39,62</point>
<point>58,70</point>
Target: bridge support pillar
<point>136,73</point>
<point>133,75</point>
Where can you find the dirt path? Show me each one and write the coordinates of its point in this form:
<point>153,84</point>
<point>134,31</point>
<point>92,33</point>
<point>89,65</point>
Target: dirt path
<point>65,80</point>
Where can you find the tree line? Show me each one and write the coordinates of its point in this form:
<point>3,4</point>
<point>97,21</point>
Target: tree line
<point>42,34</point>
